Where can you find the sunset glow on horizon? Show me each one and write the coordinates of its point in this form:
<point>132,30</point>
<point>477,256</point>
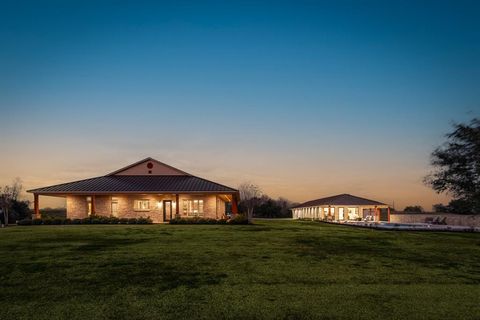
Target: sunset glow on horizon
<point>305,99</point>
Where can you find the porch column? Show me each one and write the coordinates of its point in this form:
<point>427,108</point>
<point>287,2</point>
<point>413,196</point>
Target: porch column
<point>177,205</point>
<point>94,211</point>
<point>234,204</point>
<point>36,207</point>
<point>388,210</point>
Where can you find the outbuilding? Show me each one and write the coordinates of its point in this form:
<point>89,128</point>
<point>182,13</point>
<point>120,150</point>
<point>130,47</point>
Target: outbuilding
<point>342,207</point>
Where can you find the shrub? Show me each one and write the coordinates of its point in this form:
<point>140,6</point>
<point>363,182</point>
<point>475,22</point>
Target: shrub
<point>90,220</point>
<point>25,222</point>
<point>114,220</point>
<point>57,221</point>
<point>37,222</point>
<point>238,219</point>
<point>77,221</point>
<point>144,220</point>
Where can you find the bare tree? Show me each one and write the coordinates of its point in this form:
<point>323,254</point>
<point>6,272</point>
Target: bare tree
<point>250,194</point>
<point>9,194</point>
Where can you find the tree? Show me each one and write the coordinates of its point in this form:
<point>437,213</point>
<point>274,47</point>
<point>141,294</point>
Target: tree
<point>19,210</point>
<point>250,195</point>
<point>457,167</point>
<point>440,208</point>
<point>9,195</point>
<point>413,209</point>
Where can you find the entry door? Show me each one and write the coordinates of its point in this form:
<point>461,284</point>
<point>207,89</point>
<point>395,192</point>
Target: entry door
<point>167,210</point>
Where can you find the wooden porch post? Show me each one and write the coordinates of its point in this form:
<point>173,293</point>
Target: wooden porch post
<point>93,205</point>
<point>234,204</point>
<point>36,207</point>
<point>177,205</point>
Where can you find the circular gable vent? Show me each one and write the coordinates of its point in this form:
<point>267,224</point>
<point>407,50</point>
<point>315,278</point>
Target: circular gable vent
<point>150,165</point>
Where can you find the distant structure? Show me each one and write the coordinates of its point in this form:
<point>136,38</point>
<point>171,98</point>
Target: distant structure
<point>342,207</point>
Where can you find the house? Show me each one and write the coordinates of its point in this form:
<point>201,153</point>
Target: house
<point>342,207</point>
<point>147,188</point>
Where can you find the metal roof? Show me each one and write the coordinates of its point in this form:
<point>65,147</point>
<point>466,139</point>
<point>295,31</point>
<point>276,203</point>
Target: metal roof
<point>137,184</point>
<point>341,200</point>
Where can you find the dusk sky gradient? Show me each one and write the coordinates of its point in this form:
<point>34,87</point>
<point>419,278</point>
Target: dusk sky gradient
<point>305,98</point>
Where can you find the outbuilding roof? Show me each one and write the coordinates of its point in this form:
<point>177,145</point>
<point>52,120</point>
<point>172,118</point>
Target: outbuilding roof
<point>341,200</point>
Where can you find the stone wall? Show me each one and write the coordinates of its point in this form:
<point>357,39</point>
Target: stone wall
<point>76,207</point>
<point>214,206</point>
<point>452,219</point>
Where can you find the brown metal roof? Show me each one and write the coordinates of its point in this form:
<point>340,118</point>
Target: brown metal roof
<point>341,200</point>
<point>137,184</point>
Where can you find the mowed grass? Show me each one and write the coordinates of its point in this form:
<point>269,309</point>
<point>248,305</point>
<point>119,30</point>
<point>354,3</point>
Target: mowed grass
<point>270,270</point>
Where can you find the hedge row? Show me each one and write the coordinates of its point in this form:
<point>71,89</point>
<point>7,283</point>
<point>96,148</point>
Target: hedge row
<point>89,220</point>
<point>238,219</point>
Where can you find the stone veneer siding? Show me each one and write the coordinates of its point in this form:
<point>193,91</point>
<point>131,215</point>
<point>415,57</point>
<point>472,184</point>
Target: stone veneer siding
<point>214,206</point>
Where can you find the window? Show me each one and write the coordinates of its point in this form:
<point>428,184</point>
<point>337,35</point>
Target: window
<point>352,213</point>
<point>141,205</point>
<point>114,207</point>
<point>193,207</point>
<point>340,213</point>
<point>89,205</point>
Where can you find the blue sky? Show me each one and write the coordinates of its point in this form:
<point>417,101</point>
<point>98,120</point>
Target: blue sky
<point>305,98</point>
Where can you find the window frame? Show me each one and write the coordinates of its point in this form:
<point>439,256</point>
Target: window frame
<point>138,208</point>
<point>193,207</point>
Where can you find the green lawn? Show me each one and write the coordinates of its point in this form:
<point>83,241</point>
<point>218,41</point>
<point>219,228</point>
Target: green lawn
<point>270,270</point>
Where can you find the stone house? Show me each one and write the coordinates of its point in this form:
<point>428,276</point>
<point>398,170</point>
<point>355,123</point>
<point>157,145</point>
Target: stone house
<point>147,188</point>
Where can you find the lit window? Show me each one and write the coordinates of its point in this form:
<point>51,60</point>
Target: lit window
<point>114,207</point>
<point>352,213</point>
<point>89,205</point>
<point>192,207</point>
<point>141,205</point>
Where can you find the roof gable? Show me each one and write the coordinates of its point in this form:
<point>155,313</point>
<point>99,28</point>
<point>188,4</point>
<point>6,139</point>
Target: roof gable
<point>148,167</point>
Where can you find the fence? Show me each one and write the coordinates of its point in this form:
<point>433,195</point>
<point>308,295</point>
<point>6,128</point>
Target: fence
<point>452,219</point>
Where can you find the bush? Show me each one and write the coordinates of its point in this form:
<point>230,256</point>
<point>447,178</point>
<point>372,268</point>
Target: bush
<point>37,221</point>
<point>144,220</point>
<point>238,219</point>
<point>77,221</point>
<point>90,220</point>
<point>25,222</point>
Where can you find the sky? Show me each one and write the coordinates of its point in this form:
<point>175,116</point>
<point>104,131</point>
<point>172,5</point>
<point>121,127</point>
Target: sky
<point>304,98</point>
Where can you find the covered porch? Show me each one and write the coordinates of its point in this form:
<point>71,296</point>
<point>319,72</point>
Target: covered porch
<point>158,207</point>
<point>343,213</point>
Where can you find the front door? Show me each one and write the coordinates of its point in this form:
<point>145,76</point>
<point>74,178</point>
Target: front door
<point>167,210</point>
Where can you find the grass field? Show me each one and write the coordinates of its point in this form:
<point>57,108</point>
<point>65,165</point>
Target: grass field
<point>270,270</point>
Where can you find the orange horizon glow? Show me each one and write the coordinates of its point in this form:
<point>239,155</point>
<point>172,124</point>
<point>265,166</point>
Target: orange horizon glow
<point>298,183</point>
